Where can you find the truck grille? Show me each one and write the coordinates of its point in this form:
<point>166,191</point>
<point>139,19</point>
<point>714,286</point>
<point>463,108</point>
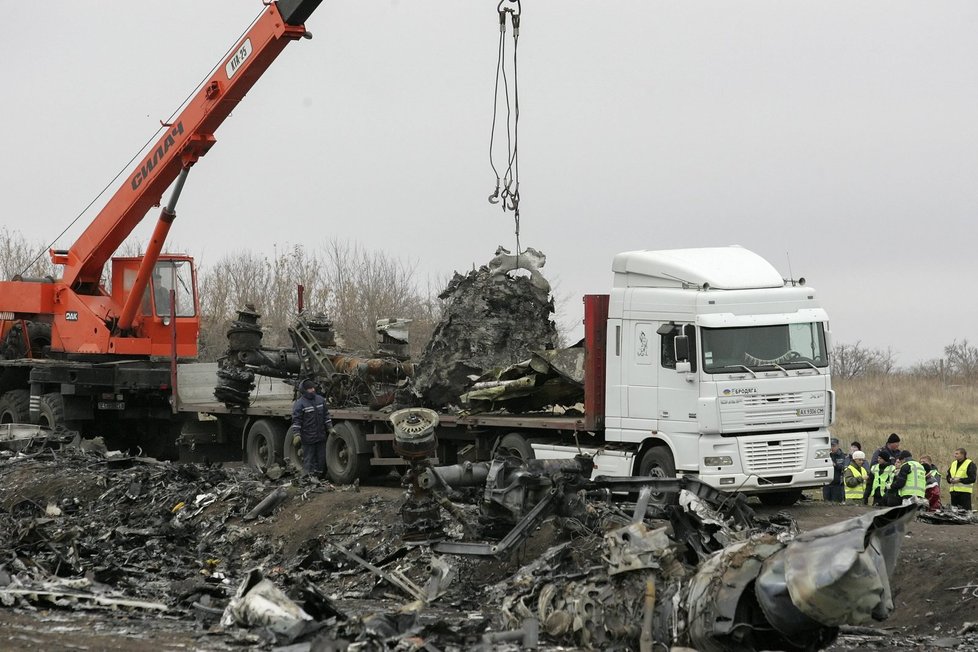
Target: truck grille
<point>764,456</point>
<point>772,409</point>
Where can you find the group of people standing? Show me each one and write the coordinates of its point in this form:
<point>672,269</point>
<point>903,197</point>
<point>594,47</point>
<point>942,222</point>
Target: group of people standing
<point>893,477</point>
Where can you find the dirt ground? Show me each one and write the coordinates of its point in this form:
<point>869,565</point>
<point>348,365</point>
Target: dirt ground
<point>930,611</point>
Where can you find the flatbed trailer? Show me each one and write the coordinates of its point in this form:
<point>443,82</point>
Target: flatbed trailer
<point>259,431</point>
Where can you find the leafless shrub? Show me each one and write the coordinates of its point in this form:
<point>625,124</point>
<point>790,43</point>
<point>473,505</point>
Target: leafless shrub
<point>17,256</point>
<point>855,360</point>
<point>352,285</point>
<point>962,360</point>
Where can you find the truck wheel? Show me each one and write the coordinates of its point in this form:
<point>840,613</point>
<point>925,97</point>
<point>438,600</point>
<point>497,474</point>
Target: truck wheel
<point>52,409</point>
<point>263,448</point>
<point>293,450</point>
<point>780,498</point>
<point>15,406</point>
<point>343,462</point>
<point>657,462</point>
<point>516,444</point>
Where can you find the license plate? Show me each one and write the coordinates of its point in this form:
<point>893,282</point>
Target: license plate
<point>112,405</point>
<point>811,411</point>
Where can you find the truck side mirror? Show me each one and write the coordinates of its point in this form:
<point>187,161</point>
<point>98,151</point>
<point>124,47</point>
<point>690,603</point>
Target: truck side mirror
<point>681,348</point>
<point>683,367</point>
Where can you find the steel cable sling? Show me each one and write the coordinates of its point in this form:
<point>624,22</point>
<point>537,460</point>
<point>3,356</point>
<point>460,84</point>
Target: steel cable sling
<point>507,191</point>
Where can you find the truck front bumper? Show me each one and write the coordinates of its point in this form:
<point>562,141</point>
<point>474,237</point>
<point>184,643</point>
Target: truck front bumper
<point>757,484</point>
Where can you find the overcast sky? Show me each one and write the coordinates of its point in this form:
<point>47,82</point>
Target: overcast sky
<point>843,134</point>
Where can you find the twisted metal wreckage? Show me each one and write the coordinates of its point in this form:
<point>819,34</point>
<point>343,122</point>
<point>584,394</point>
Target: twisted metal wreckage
<point>678,563</point>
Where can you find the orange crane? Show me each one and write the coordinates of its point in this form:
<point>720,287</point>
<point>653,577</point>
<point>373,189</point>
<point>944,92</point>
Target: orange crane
<point>104,344</point>
<point>87,319</point>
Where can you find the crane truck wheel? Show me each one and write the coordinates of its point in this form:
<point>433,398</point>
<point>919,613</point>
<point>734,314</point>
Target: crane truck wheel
<point>343,461</point>
<point>263,447</point>
<point>518,445</point>
<point>780,498</point>
<point>52,408</point>
<point>657,462</point>
<point>293,449</point>
<point>15,406</point>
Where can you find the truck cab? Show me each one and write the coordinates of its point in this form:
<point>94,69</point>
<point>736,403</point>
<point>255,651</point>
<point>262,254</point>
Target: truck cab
<point>718,367</point>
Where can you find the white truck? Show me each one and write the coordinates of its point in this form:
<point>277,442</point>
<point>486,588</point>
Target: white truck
<point>716,366</point>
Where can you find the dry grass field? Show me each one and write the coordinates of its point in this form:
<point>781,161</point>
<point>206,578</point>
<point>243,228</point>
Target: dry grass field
<point>930,417</point>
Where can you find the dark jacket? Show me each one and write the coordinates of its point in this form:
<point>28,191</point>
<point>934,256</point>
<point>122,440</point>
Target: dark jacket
<point>311,417</point>
<point>838,466</point>
<point>876,453</point>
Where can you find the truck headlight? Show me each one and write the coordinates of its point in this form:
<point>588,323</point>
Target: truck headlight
<point>722,460</point>
<point>822,453</point>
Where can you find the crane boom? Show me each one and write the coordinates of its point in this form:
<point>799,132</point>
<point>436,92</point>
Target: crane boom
<point>185,140</point>
<point>135,318</point>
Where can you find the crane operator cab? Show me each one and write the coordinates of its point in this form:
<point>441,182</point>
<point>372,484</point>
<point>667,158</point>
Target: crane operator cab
<point>172,272</point>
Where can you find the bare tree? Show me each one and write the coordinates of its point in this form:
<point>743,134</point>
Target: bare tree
<point>364,286</point>
<point>353,286</point>
<point>19,256</point>
<point>854,360</point>
<point>962,360</point>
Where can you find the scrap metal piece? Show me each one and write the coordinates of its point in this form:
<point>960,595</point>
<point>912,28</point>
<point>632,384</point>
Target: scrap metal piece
<point>717,595</point>
<point>259,603</point>
<point>840,574</point>
<point>266,506</point>
<point>635,547</point>
<point>393,577</point>
<point>527,636</point>
<point>529,259</point>
<point>441,574</point>
<point>414,441</point>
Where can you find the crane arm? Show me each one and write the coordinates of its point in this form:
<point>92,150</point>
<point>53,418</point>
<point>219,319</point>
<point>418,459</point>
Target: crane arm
<point>185,140</point>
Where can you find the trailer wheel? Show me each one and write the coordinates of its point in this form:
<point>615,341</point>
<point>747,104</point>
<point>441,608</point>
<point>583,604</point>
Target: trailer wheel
<point>657,462</point>
<point>343,462</point>
<point>52,407</point>
<point>293,450</point>
<point>518,445</point>
<point>263,448</point>
<point>15,406</point>
<point>780,498</point>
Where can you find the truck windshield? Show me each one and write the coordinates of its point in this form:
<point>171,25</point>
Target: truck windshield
<point>789,346</point>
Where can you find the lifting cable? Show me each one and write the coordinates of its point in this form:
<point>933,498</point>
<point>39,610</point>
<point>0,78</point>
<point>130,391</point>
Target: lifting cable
<point>507,192</point>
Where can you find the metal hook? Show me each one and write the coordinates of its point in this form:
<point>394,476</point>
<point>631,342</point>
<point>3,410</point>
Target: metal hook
<point>494,197</point>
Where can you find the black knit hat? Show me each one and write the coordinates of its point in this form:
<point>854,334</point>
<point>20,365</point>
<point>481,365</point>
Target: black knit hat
<point>893,438</point>
<point>885,456</point>
<point>308,384</point>
<point>904,455</point>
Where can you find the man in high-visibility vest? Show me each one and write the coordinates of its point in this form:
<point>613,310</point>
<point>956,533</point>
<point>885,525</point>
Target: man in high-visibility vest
<point>961,479</point>
<point>909,481</point>
<point>855,478</point>
<point>880,475</point>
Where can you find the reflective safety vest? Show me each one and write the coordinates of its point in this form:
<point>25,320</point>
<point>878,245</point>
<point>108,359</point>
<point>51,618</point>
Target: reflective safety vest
<point>960,472</point>
<point>856,493</point>
<point>916,480</point>
<point>882,479</point>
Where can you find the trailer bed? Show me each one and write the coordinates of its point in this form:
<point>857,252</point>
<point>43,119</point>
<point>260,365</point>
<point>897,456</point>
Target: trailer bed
<point>273,397</point>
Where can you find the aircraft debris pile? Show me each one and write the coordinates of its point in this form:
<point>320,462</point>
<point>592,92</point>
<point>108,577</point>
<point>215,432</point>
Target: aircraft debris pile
<point>505,552</point>
<point>490,320</point>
